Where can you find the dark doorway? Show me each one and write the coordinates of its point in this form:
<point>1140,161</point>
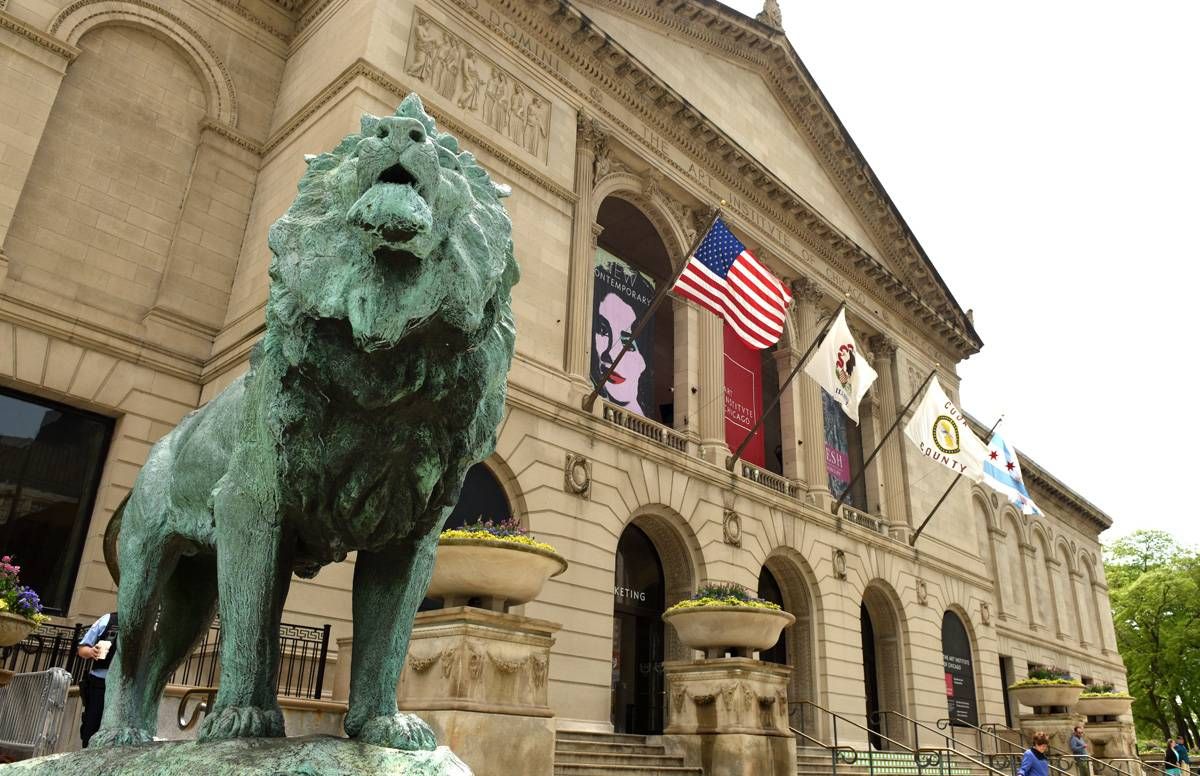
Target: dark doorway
<point>769,590</point>
<point>960,672</point>
<point>1007,678</point>
<point>870,676</point>
<point>638,604</point>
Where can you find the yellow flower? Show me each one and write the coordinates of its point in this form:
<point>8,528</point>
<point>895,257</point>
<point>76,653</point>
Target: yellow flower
<point>3,605</point>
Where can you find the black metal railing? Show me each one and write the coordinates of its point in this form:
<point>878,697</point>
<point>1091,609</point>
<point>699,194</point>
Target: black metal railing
<point>925,760</point>
<point>50,646</point>
<point>303,651</point>
<point>1007,751</point>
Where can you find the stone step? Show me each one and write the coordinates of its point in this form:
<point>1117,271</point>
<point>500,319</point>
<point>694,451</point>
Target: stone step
<point>612,738</point>
<point>578,769</point>
<point>612,758</point>
<point>607,748</point>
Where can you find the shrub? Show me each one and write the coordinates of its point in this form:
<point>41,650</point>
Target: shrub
<point>724,594</point>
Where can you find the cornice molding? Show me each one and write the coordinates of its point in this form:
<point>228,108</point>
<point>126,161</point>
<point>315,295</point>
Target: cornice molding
<point>575,38</point>
<point>284,36</point>
<point>36,36</point>
<point>232,135</point>
<point>360,68</point>
<point>728,33</point>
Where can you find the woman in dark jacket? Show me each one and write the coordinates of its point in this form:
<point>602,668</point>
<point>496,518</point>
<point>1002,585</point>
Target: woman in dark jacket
<point>1171,759</point>
<point>1034,762</point>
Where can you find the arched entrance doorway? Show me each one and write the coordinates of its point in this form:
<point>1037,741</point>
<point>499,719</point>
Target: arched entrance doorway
<point>960,671</point>
<point>883,663</point>
<point>639,599</point>
<point>785,579</point>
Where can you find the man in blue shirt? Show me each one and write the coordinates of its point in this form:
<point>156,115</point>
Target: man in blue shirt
<point>98,645</point>
<point>1181,750</point>
<point>1079,749</point>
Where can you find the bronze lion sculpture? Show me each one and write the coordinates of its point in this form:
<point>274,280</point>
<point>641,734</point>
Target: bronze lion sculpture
<point>380,380</point>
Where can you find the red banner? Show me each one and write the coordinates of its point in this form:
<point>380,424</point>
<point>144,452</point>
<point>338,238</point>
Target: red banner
<point>743,397</point>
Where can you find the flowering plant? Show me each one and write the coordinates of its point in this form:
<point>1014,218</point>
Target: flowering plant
<point>1103,690</point>
<point>509,530</point>
<point>17,598</point>
<point>1047,676</point>
<point>724,594</point>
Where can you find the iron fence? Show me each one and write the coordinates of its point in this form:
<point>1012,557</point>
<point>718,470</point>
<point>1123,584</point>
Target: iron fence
<point>303,650</point>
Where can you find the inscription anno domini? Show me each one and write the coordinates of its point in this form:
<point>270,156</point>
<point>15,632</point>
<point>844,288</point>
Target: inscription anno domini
<point>457,71</point>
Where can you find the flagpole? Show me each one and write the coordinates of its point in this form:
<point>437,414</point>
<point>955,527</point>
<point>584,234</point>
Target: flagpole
<point>899,416</point>
<point>816,343</point>
<point>590,400</point>
<point>913,540</point>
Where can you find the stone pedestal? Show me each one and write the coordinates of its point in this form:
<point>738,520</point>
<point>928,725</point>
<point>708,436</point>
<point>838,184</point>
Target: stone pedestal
<point>729,716</point>
<point>479,678</point>
<point>1111,740</point>
<point>1057,726</point>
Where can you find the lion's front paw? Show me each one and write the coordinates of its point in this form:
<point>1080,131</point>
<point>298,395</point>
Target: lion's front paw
<point>242,722</point>
<point>119,736</point>
<point>397,731</point>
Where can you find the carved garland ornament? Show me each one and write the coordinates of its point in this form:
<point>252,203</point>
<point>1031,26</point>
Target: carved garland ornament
<point>577,475</point>
<point>455,69</point>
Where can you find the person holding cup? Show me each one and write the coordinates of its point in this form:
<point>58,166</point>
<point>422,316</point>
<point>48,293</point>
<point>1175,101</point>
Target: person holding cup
<point>97,645</point>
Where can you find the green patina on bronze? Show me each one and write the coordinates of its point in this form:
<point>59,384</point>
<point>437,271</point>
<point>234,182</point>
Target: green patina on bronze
<point>379,382</point>
<point>308,756</point>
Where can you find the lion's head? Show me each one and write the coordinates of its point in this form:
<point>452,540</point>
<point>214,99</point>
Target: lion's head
<point>392,229</point>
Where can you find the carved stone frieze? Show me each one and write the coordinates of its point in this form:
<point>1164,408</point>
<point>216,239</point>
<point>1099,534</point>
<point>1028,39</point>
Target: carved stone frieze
<point>457,71</point>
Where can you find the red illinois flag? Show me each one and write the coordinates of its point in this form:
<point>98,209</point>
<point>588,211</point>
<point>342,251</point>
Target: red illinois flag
<point>725,278</point>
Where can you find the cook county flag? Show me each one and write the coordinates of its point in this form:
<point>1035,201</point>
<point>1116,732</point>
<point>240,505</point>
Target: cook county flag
<point>1002,471</point>
<point>940,431</point>
<point>839,367</point>
<point>725,278</point>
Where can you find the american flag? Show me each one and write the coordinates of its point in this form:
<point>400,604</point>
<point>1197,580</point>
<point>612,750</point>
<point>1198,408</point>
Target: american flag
<point>724,277</point>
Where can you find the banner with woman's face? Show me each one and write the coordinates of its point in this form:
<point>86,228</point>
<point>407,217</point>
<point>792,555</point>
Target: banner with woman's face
<point>622,294</point>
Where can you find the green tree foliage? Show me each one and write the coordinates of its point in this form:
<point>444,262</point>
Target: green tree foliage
<point>1154,584</point>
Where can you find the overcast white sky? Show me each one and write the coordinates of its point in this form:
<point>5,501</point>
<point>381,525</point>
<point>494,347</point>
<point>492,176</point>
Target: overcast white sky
<point>1045,155</point>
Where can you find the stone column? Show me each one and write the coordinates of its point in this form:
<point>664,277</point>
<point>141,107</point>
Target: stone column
<point>1106,635</point>
<point>711,396</point>
<point>790,428</point>
<point>808,296</point>
<point>895,506</point>
<point>583,256</point>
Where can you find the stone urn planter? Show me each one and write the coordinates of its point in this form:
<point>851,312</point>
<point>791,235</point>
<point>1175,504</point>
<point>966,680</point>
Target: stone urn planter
<point>500,573</point>
<point>1105,705</point>
<point>14,628</point>
<point>741,629</point>
<point>1040,695</point>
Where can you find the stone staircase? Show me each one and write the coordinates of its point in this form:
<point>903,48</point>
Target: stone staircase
<point>815,761</point>
<point>614,754</point>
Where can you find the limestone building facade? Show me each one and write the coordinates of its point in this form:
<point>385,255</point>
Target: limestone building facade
<point>146,147</point>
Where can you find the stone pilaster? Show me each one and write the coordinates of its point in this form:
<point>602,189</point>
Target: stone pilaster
<point>583,254</point>
<point>687,366</point>
<point>1029,569</point>
<point>790,422</point>
<point>193,292</point>
<point>711,396</point>
<point>808,297</point>
<point>895,506</point>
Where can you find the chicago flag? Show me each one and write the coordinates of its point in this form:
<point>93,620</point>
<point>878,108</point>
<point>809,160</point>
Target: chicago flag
<point>1002,471</point>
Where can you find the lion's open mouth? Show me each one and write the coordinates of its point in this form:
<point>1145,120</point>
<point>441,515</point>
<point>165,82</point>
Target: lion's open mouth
<point>393,208</point>
<point>397,173</point>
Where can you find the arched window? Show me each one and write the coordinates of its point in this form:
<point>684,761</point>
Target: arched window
<point>482,498</point>
<point>844,453</point>
<point>769,590</point>
<point>631,265</point>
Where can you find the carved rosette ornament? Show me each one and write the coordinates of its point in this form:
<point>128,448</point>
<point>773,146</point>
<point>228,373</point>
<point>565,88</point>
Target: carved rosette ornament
<point>732,526</point>
<point>577,475</point>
